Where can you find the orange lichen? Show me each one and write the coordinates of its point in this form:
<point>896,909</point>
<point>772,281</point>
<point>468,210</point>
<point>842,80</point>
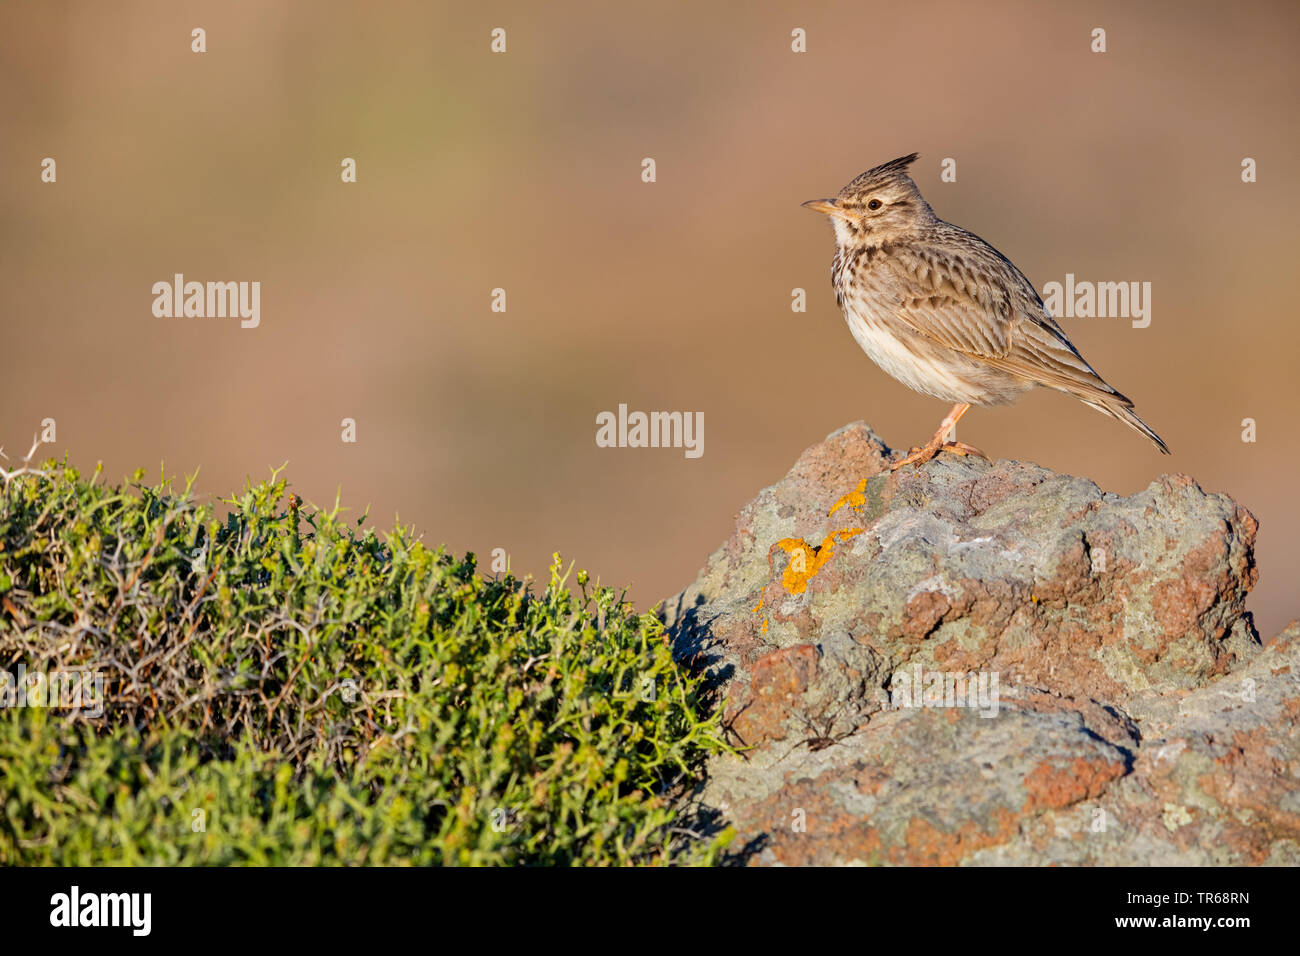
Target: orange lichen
<point>854,499</point>
<point>806,560</point>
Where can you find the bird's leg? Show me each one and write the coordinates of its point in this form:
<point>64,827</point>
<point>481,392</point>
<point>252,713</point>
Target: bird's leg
<point>940,442</point>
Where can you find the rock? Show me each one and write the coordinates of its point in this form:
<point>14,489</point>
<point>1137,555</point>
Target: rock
<point>975,663</point>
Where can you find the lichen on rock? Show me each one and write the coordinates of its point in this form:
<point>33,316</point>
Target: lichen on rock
<point>851,647</point>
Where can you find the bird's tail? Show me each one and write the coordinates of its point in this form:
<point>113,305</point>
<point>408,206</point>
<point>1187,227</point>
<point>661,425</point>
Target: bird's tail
<point>1125,413</point>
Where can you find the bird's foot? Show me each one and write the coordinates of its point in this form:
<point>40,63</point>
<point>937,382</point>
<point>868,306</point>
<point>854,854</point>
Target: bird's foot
<point>920,456</point>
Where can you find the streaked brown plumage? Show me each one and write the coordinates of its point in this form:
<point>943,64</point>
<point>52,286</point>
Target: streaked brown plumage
<point>944,312</point>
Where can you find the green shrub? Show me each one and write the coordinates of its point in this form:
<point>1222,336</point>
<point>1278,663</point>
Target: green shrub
<point>283,688</point>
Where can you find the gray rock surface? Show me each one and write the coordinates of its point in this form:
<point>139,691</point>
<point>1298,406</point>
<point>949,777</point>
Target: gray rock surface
<point>975,663</point>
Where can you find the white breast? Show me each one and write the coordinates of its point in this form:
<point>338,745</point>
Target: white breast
<point>908,365</point>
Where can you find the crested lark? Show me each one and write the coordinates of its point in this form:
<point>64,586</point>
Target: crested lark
<point>944,312</point>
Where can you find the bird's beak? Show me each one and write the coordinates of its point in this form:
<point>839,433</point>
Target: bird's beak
<point>829,207</point>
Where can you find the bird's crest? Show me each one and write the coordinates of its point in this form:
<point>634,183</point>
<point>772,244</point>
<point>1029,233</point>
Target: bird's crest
<point>882,173</point>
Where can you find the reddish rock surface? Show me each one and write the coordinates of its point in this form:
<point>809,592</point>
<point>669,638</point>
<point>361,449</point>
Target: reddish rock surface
<point>975,663</point>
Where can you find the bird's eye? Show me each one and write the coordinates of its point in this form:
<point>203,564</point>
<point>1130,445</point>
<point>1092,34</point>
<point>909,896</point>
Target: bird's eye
<point>874,204</point>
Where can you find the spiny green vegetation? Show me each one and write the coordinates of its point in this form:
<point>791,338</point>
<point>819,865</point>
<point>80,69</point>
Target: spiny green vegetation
<point>282,687</point>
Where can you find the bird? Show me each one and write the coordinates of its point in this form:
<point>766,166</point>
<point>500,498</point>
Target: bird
<point>946,314</point>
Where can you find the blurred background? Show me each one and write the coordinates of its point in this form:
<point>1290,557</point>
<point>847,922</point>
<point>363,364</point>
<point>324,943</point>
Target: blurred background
<point>522,171</point>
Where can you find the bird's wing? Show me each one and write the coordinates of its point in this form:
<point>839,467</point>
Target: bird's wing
<point>1040,351</point>
<point>943,296</point>
<point>972,299</point>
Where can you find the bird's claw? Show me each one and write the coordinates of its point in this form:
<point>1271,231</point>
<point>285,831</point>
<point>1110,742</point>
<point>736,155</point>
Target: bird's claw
<point>926,452</point>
